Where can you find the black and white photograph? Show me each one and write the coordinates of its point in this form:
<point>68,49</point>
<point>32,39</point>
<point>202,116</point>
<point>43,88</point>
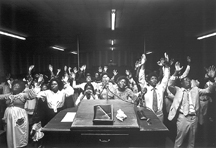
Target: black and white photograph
<point>107,73</point>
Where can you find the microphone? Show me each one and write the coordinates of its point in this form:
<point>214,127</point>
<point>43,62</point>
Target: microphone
<point>106,85</point>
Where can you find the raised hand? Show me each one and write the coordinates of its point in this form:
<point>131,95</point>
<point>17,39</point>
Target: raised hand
<point>40,79</point>
<point>58,71</point>
<point>37,75</point>
<point>84,67</point>
<point>137,64</point>
<point>166,60</point>
<point>75,70</point>
<point>127,72</point>
<point>166,57</point>
<point>69,69</point>
<point>115,72</point>
<point>65,79</point>
<point>100,69</point>
<point>161,62</point>
<point>143,59</point>
<point>105,68</point>
<point>50,67</point>
<point>188,59</point>
<point>31,67</point>
<point>211,71</point>
<point>172,61</point>
<point>9,83</point>
<point>73,75</point>
<point>65,68</point>
<point>178,68</point>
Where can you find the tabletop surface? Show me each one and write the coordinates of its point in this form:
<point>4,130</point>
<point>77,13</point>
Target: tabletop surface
<point>84,118</point>
<point>55,123</point>
<point>85,114</point>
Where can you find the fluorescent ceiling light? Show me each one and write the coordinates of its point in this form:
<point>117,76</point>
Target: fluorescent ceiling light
<point>113,15</point>
<point>12,35</point>
<point>149,52</point>
<point>58,48</point>
<point>74,52</point>
<point>112,42</point>
<point>206,36</point>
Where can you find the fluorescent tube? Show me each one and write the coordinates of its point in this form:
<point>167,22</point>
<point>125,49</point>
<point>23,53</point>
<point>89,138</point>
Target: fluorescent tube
<point>58,48</point>
<point>113,15</point>
<point>74,52</point>
<point>206,36</point>
<point>12,35</point>
<point>112,42</point>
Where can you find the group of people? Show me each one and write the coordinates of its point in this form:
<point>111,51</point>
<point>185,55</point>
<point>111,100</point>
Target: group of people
<point>175,96</point>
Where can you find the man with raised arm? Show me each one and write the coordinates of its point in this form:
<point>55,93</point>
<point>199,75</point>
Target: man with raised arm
<point>185,108</point>
<point>155,91</point>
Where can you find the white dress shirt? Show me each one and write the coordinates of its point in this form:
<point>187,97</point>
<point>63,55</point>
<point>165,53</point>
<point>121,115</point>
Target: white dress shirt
<point>160,89</point>
<point>56,100</point>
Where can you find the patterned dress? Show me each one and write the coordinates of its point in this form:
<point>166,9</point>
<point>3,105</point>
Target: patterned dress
<point>16,119</point>
<point>126,95</point>
<point>17,126</point>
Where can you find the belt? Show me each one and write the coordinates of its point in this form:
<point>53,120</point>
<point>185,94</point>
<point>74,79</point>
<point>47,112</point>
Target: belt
<point>204,100</point>
<point>187,114</point>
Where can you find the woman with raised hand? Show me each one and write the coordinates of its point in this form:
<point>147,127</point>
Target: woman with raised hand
<point>87,94</point>
<point>55,96</point>
<point>105,89</point>
<point>123,92</point>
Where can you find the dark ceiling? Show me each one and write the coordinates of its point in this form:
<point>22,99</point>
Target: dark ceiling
<point>155,24</point>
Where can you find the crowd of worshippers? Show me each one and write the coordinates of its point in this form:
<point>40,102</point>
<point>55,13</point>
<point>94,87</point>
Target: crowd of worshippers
<point>38,98</point>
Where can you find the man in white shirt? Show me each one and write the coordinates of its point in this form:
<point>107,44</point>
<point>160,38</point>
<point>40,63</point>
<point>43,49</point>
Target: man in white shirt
<point>155,91</point>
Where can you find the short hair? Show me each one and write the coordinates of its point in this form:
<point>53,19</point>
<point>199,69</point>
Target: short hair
<point>60,84</point>
<point>123,77</point>
<point>44,84</point>
<point>20,83</point>
<point>129,71</point>
<point>104,73</point>
<point>181,80</point>
<point>89,84</point>
<point>88,74</point>
<point>151,75</point>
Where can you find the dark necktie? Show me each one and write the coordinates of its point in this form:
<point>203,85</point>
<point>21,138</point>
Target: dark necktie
<point>155,104</point>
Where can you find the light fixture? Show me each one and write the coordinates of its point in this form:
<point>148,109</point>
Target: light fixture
<point>206,36</point>
<point>74,52</point>
<point>113,17</point>
<point>149,52</point>
<point>112,42</point>
<point>12,35</point>
<point>58,48</point>
<point>112,48</point>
